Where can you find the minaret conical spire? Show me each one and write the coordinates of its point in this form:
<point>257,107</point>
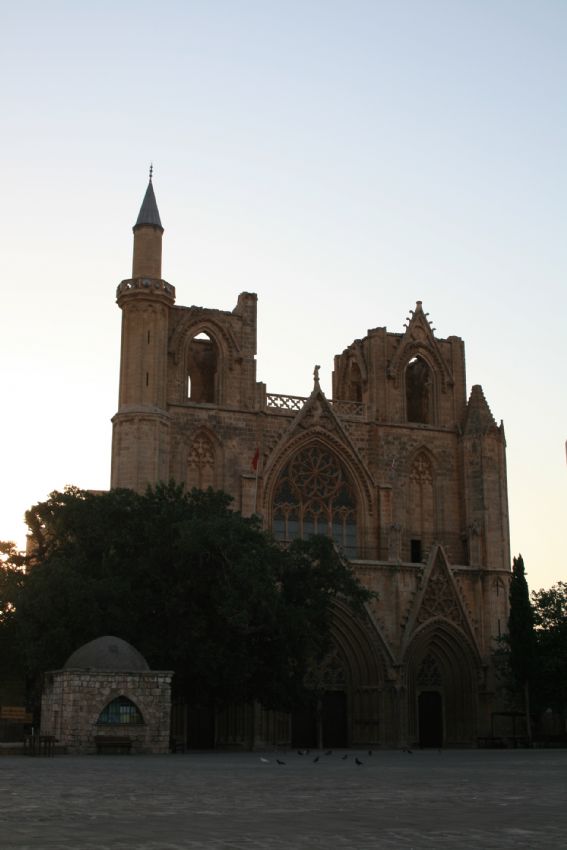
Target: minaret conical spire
<point>149,213</point>
<point>148,232</point>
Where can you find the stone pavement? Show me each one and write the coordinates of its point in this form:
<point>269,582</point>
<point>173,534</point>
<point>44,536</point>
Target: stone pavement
<point>427,800</point>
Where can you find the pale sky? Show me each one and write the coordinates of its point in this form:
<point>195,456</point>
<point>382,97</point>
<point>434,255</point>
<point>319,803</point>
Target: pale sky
<point>341,158</point>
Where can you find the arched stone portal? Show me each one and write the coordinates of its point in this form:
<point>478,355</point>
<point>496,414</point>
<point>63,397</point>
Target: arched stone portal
<point>442,674</point>
<point>351,703</point>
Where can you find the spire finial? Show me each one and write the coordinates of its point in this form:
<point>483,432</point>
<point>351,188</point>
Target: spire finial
<point>316,376</point>
<point>151,170</point>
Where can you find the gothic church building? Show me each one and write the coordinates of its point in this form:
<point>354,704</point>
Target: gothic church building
<point>403,469</point>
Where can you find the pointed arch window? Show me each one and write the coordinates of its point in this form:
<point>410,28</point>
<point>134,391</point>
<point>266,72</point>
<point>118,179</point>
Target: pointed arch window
<point>202,367</point>
<point>313,495</point>
<point>419,391</point>
<point>120,712</point>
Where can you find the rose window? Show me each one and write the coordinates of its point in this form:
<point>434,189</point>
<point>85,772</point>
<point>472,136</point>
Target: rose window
<point>314,496</point>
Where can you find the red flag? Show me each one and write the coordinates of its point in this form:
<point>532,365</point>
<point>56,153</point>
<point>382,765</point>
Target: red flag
<point>254,462</point>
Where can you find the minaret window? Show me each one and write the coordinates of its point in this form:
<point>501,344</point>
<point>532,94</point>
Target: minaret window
<point>202,362</point>
<point>314,496</point>
<point>419,396</point>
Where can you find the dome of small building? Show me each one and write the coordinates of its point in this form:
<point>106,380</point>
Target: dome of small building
<point>107,653</point>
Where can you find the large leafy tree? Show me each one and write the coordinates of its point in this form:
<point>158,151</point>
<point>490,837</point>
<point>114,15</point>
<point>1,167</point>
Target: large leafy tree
<point>192,584</point>
<point>521,634</point>
<point>11,580</point>
<point>550,619</point>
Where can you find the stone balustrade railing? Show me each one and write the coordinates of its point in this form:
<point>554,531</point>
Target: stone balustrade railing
<point>291,403</point>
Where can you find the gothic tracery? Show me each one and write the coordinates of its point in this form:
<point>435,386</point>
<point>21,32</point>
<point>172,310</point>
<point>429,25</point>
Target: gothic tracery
<point>313,496</point>
<point>201,462</point>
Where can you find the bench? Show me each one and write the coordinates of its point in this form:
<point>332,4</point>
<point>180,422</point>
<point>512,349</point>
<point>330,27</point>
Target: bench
<point>39,745</point>
<point>112,744</point>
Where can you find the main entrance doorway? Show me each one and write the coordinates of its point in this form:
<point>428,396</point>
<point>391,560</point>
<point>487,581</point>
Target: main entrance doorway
<point>430,712</point>
<point>334,719</point>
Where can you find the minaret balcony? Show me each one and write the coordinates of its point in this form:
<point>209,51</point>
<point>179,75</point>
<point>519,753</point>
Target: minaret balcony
<point>146,285</point>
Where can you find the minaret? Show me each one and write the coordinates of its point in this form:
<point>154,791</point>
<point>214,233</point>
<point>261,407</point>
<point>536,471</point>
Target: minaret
<point>148,233</point>
<point>140,442</point>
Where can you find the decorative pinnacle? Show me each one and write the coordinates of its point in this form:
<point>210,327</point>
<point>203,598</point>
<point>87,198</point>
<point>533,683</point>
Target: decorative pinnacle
<point>151,170</point>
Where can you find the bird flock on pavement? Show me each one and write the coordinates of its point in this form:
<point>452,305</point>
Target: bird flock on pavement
<point>317,757</point>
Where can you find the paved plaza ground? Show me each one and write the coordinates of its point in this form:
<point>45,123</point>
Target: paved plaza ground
<point>478,799</point>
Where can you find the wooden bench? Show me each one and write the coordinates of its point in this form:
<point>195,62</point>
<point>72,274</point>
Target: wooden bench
<point>112,744</point>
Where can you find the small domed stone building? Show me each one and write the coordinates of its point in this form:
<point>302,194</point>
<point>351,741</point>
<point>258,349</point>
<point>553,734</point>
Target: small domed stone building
<point>107,698</point>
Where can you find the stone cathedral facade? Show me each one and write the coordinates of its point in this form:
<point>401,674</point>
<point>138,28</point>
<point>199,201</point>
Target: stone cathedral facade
<point>403,468</point>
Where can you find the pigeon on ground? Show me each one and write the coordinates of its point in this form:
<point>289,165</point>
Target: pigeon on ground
<point>329,753</point>
<point>345,756</point>
<point>279,761</point>
<point>316,759</point>
<point>369,752</point>
<point>357,760</point>
<point>264,761</point>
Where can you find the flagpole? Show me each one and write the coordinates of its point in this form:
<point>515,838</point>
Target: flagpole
<point>256,492</point>
<point>255,463</point>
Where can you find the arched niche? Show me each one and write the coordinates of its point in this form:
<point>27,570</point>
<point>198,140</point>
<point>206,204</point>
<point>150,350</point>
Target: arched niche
<point>204,461</point>
<point>202,369</point>
<point>354,388</point>
<point>421,513</point>
<point>419,391</point>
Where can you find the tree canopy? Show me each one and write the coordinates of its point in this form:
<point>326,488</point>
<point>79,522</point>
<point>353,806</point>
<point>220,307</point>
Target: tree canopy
<point>532,658</point>
<point>11,581</point>
<point>193,585</point>
<point>550,619</point>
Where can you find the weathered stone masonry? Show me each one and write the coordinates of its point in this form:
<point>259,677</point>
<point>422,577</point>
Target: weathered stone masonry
<point>403,468</point>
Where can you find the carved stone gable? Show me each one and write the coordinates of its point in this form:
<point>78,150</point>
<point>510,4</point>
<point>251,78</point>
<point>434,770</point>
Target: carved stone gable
<point>417,340</point>
<point>440,598</point>
<point>318,415</point>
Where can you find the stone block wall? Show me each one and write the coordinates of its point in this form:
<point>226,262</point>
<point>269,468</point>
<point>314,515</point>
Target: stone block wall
<point>73,700</point>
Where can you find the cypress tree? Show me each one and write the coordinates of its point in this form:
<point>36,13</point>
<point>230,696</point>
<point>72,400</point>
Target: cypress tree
<point>521,635</point>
